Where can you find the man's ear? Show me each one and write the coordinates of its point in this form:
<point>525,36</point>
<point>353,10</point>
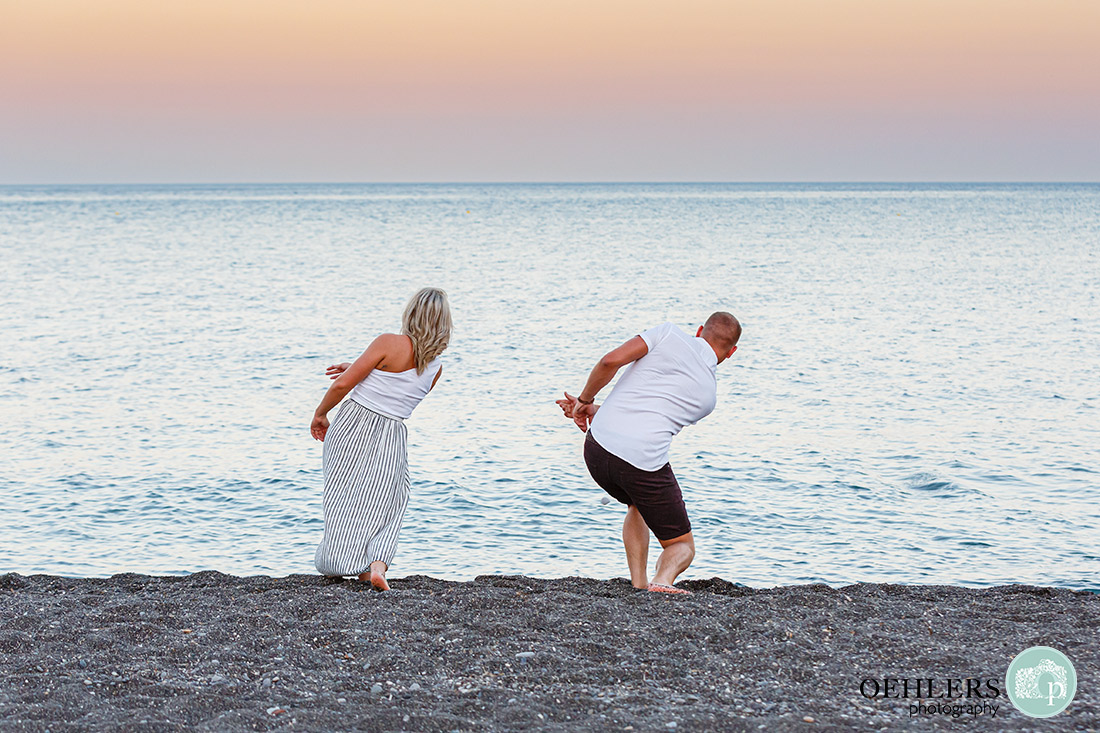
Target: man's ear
<point>731,352</point>
<point>699,332</point>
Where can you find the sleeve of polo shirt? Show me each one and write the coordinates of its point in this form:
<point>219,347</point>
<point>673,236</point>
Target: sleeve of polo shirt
<point>656,335</point>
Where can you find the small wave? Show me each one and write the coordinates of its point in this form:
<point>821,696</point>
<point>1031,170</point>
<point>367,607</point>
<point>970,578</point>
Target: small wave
<point>938,486</point>
<point>1000,477</point>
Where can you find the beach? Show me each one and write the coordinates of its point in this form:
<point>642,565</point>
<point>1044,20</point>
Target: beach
<point>210,651</point>
<point>827,273</point>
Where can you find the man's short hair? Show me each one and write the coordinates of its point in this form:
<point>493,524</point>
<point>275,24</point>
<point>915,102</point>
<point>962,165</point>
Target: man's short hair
<point>722,330</point>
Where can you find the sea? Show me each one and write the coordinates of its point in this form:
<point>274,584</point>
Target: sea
<point>915,399</point>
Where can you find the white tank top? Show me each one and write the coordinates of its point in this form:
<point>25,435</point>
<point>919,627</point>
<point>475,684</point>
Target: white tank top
<point>395,394</point>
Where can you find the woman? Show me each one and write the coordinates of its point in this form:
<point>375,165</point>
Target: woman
<point>366,467</point>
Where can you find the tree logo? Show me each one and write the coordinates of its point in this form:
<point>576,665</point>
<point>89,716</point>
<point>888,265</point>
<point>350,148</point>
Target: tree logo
<point>1041,682</point>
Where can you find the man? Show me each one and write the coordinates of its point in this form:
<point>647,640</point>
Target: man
<point>670,383</point>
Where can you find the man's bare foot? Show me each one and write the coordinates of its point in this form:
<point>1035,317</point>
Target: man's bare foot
<point>665,588</point>
<point>378,575</point>
<point>364,577</point>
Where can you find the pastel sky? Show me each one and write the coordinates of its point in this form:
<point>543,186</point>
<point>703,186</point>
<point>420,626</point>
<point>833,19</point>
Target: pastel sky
<point>549,90</point>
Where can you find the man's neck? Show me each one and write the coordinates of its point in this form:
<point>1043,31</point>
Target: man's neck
<point>719,355</point>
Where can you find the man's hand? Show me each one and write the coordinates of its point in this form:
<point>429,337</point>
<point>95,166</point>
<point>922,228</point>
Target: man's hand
<point>583,414</point>
<point>335,370</point>
<point>580,414</point>
<point>319,427</point>
<point>567,405</point>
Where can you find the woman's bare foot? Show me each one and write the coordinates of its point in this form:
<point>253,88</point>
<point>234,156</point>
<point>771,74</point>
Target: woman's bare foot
<point>377,575</point>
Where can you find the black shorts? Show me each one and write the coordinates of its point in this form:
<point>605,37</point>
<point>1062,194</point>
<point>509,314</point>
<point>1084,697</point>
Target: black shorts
<point>655,494</point>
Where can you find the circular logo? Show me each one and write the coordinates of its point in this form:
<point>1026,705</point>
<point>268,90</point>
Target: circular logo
<point>1041,682</point>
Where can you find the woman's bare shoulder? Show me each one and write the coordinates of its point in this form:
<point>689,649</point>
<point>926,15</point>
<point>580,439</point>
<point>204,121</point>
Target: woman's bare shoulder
<point>396,351</point>
<point>390,344</point>
<point>391,339</point>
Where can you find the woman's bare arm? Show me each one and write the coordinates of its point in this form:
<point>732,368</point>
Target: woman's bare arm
<point>369,360</point>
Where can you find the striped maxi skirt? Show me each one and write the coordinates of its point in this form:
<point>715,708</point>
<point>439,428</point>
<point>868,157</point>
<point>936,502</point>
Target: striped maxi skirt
<point>366,490</point>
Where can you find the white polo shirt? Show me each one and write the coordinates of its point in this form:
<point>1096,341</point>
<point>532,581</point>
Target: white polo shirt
<point>671,386</point>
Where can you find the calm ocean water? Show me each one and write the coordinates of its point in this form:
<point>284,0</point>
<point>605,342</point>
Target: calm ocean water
<point>915,398</point>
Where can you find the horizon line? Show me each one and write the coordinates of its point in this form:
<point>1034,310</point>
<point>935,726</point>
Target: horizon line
<point>896,182</point>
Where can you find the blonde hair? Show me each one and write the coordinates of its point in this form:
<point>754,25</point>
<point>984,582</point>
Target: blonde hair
<point>427,322</point>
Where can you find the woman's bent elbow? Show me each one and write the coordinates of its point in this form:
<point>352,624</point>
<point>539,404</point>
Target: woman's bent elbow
<point>341,386</point>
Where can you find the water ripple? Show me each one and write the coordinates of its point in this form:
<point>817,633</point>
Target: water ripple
<point>882,420</point>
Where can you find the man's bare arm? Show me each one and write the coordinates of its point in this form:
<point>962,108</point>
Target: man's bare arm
<point>601,375</point>
<point>610,364</point>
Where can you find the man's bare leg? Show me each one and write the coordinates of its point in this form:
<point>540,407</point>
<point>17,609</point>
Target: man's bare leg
<point>636,542</point>
<point>675,558</point>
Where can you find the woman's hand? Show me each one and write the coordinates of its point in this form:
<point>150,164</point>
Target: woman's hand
<point>335,370</point>
<point>318,427</point>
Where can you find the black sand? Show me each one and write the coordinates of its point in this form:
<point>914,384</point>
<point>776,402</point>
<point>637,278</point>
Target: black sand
<point>215,652</point>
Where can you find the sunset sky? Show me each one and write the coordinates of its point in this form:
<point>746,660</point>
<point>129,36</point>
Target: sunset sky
<point>555,90</point>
